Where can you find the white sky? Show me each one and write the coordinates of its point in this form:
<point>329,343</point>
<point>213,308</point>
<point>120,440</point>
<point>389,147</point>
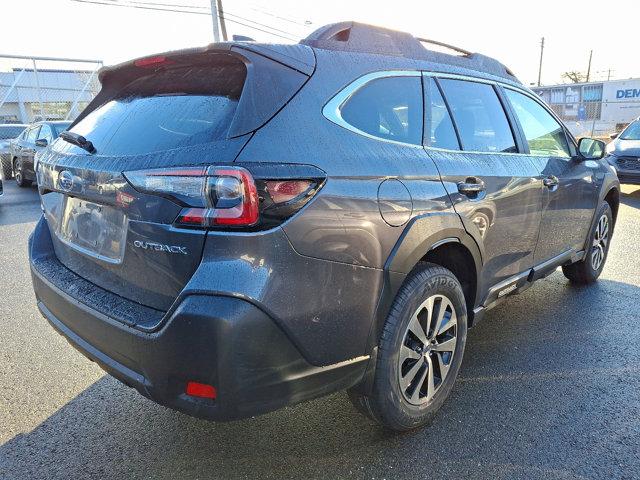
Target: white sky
<point>507,30</point>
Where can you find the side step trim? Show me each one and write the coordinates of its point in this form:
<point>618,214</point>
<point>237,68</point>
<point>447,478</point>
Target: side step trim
<point>520,282</point>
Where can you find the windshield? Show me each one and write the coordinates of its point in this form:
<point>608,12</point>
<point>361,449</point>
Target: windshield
<point>10,131</point>
<point>60,127</point>
<point>171,109</point>
<point>632,132</point>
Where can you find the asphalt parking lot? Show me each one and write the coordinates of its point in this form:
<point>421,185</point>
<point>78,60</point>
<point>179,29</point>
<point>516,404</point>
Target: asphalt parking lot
<point>549,388</point>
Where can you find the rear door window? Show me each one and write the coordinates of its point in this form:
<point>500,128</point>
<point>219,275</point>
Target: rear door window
<point>544,134</point>
<point>389,108</point>
<point>174,108</point>
<point>479,116</point>
<point>439,130</point>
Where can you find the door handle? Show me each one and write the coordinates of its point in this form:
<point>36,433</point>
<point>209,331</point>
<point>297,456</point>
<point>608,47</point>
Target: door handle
<point>471,187</point>
<point>551,181</point>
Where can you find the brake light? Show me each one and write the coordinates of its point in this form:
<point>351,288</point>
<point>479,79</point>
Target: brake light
<point>150,62</point>
<point>212,196</point>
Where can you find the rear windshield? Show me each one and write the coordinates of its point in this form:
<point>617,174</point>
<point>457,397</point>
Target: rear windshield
<point>174,108</point>
<point>10,131</point>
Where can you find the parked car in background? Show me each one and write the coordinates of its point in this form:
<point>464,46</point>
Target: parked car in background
<point>623,153</point>
<point>240,227</point>
<point>8,132</point>
<point>22,150</point>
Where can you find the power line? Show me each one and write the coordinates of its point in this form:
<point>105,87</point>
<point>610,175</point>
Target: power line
<point>158,4</point>
<point>306,23</point>
<point>221,14</point>
<point>288,36</point>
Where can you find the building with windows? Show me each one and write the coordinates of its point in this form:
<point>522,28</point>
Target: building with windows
<point>28,95</point>
<point>594,108</point>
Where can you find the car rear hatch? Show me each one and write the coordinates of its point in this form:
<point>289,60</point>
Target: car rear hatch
<point>184,109</point>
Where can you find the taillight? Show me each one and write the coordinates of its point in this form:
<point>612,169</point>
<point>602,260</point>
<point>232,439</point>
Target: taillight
<point>231,196</point>
<point>212,196</point>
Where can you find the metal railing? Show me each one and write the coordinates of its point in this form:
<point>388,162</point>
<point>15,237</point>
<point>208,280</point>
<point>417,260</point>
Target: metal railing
<point>45,88</point>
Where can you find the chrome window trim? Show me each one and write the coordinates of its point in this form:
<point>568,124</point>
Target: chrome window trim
<point>454,76</point>
<point>331,110</point>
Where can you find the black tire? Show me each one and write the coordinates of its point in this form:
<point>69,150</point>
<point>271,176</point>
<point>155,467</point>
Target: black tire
<point>389,403</point>
<point>590,267</point>
<point>5,163</point>
<point>17,170</point>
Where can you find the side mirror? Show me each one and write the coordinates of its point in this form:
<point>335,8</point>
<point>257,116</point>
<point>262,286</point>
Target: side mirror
<point>591,149</point>
<point>42,142</point>
<point>613,136</point>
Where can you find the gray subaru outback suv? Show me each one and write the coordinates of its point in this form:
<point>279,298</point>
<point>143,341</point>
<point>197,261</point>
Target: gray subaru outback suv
<point>240,227</point>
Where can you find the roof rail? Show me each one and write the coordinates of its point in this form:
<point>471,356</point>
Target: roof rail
<point>445,45</point>
<point>363,38</point>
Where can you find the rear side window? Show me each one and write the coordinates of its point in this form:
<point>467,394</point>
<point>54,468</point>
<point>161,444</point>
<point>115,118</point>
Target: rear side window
<point>479,116</point>
<point>389,108</point>
<point>438,125</point>
<point>544,134</point>
<point>174,108</point>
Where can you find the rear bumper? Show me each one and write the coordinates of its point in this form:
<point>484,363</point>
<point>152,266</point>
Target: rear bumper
<point>222,341</point>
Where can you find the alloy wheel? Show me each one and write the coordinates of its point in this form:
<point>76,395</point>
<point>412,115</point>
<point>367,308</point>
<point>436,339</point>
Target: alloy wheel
<point>600,241</point>
<point>427,349</point>
<point>18,172</point>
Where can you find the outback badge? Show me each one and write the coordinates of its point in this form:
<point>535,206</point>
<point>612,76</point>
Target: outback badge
<point>160,247</point>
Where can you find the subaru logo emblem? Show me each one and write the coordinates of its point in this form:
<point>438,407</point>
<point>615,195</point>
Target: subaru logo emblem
<point>65,181</point>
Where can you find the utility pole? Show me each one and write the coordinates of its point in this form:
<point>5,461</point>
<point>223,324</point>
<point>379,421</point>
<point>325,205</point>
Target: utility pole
<point>540,66</point>
<point>589,67</point>
<point>223,25</point>
<point>214,20</point>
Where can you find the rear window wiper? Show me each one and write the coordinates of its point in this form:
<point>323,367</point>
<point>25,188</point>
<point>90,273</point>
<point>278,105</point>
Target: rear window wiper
<point>78,140</point>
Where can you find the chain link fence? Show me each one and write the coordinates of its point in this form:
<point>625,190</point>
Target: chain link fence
<point>41,88</point>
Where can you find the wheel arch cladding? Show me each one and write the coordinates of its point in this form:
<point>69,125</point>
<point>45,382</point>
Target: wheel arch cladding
<point>436,238</point>
<point>613,199</point>
<point>457,258</point>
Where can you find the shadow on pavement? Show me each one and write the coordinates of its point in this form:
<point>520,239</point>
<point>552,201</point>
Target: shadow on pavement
<point>630,196</point>
<point>19,205</point>
<point>548,389</point>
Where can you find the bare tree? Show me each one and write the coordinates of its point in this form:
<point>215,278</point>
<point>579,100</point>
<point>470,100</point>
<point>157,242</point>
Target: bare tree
<point>574,77</point>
